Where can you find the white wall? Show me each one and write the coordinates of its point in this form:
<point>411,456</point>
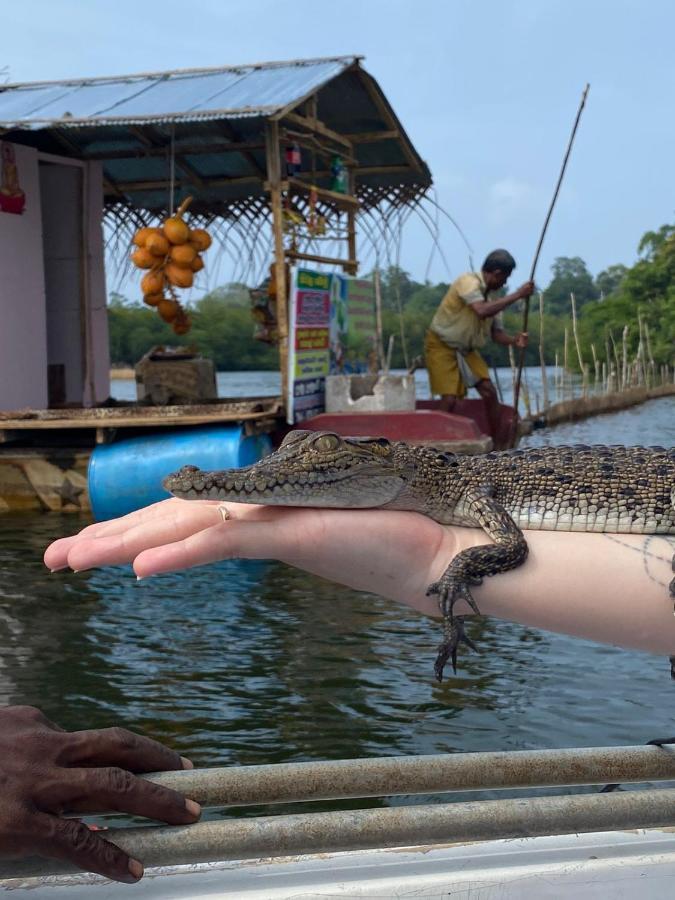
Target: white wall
<point>23,332</point>
<point>72,207</point>
<point>61,199</point>
<point>42,322</point>
<point>99,341</point>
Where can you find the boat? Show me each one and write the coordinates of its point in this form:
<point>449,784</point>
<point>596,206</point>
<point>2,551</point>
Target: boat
<point>587,843</point>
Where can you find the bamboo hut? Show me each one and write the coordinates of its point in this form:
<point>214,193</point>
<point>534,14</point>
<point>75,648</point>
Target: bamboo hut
<point>82,155</point>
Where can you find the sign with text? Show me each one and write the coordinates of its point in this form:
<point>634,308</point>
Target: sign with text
<point>331,331</point>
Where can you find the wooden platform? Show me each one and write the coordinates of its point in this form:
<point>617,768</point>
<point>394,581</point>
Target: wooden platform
<point>44,453</point>
<point>261,412</point>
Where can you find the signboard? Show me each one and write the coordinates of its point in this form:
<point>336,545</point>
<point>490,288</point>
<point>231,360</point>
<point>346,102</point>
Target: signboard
<point>331,331</point>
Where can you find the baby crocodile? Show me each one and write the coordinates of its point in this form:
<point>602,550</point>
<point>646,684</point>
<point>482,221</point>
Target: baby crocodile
<point>627,490</point>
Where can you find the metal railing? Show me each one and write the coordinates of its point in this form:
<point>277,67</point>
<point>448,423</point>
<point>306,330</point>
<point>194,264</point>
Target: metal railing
<point>281,835</point>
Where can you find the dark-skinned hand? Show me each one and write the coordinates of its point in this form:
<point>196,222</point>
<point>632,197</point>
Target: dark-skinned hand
<point>46,772</point>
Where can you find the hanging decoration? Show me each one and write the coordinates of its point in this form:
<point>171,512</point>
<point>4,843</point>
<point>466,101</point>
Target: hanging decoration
<point>172,254</point>
<point>12,197</point>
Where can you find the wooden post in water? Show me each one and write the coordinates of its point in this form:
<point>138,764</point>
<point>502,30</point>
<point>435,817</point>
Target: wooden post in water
<point>596,367</point>
<point>378,319</point>
<point>584,374</point>
<point>564,371</point>
<point>640,354</point>
<point>617,372</point>
<point>542,359</point>
<point>652,365</point>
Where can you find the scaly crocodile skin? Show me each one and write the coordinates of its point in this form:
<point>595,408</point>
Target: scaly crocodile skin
<point>629,490</point>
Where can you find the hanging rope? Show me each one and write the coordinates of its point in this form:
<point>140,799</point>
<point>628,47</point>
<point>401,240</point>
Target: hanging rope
<point>172,168</point>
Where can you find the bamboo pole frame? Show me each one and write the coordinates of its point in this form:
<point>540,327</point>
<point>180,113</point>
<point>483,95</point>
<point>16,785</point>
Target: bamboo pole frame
<point>273,155</point>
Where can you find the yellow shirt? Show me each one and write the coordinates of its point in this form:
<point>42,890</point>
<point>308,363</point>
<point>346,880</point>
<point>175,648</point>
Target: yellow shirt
<point>455,321</point>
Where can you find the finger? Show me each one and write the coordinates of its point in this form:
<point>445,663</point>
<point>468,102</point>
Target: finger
<point>119,747</point>
<point>56,554</point>
<point>178,522</point>
<point>72,841</point>
<point>33,714</point>
<point>114,788</point>
<point>252,539</point>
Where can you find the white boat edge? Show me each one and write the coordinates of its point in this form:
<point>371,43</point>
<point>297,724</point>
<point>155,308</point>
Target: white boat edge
<point>620,864</point>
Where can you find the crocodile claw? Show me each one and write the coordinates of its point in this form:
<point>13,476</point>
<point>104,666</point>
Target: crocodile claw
<point>450,590</point>
<point>454,636</point>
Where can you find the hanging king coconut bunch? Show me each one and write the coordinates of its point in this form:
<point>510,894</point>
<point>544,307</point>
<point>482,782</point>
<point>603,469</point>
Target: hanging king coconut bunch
<point>172,254</point>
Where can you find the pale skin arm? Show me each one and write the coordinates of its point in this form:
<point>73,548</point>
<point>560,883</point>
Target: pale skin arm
<point>609,588</point>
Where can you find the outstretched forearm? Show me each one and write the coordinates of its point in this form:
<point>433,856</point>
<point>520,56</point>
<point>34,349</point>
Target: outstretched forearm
<point>611,588</point>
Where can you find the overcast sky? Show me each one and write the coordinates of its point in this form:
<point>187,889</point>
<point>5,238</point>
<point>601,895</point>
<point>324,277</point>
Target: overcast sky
<point>487,90</point>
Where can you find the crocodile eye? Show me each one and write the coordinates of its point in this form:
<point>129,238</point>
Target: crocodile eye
<point>293,436</point>
<point>327,442</point>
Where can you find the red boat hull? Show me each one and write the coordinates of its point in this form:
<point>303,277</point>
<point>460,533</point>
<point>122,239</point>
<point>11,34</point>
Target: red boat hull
<point>465,429</point>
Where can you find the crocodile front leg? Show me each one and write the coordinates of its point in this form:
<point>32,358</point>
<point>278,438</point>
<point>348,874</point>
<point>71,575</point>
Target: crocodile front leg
<point>470,567</point>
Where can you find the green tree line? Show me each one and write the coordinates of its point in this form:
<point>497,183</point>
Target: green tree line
<point>605,304</point>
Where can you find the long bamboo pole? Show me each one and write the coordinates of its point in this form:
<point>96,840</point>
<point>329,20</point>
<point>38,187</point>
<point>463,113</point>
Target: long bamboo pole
<point>526,310</point>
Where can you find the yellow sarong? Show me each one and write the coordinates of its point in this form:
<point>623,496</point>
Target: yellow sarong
<point>444,373</point>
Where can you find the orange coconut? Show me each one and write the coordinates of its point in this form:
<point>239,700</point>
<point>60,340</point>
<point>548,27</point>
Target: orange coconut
<point>197,263</point>
<point>200,239</point>
<point>168,309</point>
<point>153,282</point>
<point>179,276</point>
<point>183,255</point>
<point>157,244</point>
<point>143,234</point>
<point>176,230</point>
<point>153,299</point>
<point>143,259</point>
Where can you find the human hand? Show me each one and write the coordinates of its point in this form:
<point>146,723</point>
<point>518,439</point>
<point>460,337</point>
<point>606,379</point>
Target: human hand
<point>525,290</point>
<point>520,340</point>
<point>391,553</point>
<point>46,772</point>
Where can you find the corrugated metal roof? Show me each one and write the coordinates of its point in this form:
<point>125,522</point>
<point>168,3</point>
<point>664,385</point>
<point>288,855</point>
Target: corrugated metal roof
<point>213,124</point>
<point>179,96</point>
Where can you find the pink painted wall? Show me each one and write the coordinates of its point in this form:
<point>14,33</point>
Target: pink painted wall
<point>23,331</point>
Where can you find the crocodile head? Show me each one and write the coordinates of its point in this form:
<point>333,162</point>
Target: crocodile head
<point>310,468</point>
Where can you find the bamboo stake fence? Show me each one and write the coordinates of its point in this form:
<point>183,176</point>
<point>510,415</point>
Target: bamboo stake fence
<point>616,375</point>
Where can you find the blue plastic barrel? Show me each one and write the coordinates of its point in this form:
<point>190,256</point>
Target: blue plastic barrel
<point>127,474</point>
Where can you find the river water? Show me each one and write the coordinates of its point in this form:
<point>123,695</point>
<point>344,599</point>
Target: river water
<point>255,662</point>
